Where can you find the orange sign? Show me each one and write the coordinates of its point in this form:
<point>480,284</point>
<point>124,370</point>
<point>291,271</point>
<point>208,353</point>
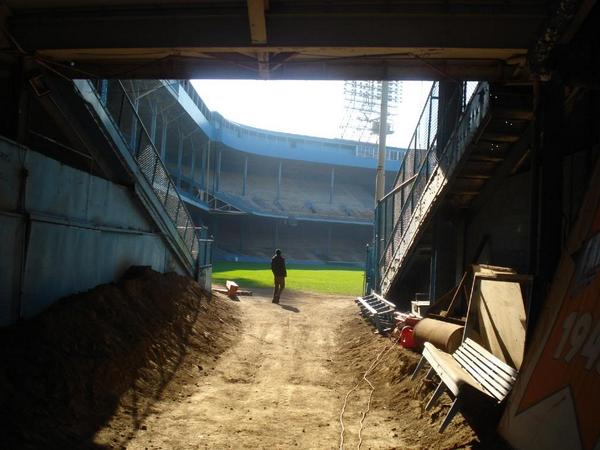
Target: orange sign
<point>571,357</point>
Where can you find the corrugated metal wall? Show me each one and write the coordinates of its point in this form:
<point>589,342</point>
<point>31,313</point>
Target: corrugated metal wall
<point>64,231</point>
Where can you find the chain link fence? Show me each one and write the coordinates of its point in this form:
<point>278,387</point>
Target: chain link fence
<point>395,211</point>
<point>122,110</point>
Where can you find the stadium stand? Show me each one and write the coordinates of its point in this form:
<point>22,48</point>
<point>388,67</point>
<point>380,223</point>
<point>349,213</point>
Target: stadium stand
<point>259,189</point>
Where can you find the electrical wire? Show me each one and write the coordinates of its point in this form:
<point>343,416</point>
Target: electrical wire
<point>384,351</point>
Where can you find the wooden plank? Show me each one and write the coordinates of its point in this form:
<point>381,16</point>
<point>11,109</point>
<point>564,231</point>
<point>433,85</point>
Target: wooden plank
<point>514,277</point>
<point>472,369</point>
<point>473,176</point>
<point>511,371</point>
<point>489,365</point>
<point>517,114</point>
<point>258,24</point>
<point>499,137</point>
<point>481,158</point>
<point>499,378</point>
<point>439,370</point>
<point>501,313</point>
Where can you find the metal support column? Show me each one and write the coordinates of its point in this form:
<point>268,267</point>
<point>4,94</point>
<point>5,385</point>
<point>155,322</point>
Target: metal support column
<point>104,91</point>
<point>134,125</point>
<point>245,177</point>
<point>193,163</point>
<point>153,122</point>
<point>449,104</point>
<point>433,263</point>
<point>550,197</point>
<point>332,184</point>
<point>163,141</point>
<point>329,241</point>
<point>203,166</point>
<point>217,179</point>
<point>279,181</point>
<point>207,166</point>
<point>242,232</point>
<point>380,177</point>
<point>179,158</point>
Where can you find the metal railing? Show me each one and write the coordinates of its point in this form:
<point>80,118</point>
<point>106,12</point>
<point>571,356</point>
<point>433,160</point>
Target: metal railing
<point>189,90</point>
<point>423,139</point>
<point>123,112</point>
<point>395,212</point>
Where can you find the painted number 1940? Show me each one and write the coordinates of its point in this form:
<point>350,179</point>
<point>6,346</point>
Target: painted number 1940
<point>580,336</point>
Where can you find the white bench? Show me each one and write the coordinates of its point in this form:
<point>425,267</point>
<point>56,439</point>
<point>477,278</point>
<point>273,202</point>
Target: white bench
<point>469,367</point>
<point>378,310</point>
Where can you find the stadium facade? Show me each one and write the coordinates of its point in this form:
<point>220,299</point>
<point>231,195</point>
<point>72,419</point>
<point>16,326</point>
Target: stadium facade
<point>257,189</point>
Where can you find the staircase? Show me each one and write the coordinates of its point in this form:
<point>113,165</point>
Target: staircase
<point>491,123</point>
<point>116,115</point>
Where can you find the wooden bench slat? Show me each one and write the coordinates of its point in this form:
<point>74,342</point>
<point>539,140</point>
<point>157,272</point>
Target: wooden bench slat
<point>492,364</point>
<point>508,379</point>
<point>488,387</point>
<point>501,364</point>
<point>492,389</point>
<point>501,385</point>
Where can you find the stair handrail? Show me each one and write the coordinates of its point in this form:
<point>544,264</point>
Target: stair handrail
<point>429,164</point>
<point>406,175</point>
<point>426,115</point>
<point>193,94</point>
<point>139,145</point>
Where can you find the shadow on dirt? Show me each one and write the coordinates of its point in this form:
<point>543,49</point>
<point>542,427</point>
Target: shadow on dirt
<point>65,373</point>
<point>290,308</point>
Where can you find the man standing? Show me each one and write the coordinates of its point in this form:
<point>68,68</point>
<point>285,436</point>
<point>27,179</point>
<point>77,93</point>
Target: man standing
<point>279,272</point>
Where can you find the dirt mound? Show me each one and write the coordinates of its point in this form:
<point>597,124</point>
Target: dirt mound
<point>94,363</point>
<point>401,398</point>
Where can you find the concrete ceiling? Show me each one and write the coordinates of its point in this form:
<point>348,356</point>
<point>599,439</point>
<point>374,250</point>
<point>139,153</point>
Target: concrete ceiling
<point>278,39</point>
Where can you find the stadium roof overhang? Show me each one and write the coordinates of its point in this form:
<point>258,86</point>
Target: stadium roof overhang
<point>278,39</point>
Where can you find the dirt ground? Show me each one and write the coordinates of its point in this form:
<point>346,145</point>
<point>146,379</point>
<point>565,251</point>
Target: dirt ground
<point>100,360</point>
<point>282,385</point>
<point>153,362</point>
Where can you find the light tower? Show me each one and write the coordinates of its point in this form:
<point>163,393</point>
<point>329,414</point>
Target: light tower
<point>370,106</point>
<point>363,109</point>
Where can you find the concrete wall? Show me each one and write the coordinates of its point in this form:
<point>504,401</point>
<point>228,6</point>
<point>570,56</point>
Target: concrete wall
<point>64,231</point>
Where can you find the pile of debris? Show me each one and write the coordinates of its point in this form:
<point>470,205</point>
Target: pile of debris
<point>104,357</point>
<point>472,342</point>
<point>395,394</point>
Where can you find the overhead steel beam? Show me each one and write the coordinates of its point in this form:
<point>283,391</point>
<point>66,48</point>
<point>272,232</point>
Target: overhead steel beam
<point>354,69</point>
<point>320,40</point>
<point>180,31</point>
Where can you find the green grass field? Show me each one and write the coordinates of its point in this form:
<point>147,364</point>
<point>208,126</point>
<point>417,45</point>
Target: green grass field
<point>321,279</point>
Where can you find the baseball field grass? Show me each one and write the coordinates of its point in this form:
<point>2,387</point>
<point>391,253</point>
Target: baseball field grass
<point>319,279</point>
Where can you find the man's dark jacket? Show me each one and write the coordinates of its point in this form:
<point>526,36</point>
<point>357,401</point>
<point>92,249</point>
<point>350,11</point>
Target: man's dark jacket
<point>278,266</point>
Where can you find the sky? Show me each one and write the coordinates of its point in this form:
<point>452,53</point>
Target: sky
<point>313,108</point>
